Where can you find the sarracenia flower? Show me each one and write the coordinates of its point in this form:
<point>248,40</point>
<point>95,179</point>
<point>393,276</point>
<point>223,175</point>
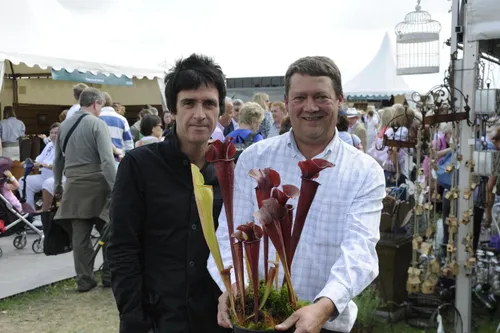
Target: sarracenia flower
<point>240,237</point>
<point>204,197</point>
<point>310,170</point>
<point>221,155</point>
<point>270,216</point>
<point>252,247</point>
<point>289,192</point>
<point>267,179</point>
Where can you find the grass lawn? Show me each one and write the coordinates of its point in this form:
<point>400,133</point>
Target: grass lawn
<point>58,309</point>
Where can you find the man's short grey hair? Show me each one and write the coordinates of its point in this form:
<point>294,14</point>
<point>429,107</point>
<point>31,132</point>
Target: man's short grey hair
<point>151,108</point>
<point>238,102</point>
<point>154,110</point>
<point>90,96</point>
<point>228,100</point>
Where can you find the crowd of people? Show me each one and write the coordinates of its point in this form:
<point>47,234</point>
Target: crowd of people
<point>136,179</point>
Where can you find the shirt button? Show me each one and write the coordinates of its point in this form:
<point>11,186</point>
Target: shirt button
<point>185,162</point>
<point>191,263</point>
<point>193,227</point>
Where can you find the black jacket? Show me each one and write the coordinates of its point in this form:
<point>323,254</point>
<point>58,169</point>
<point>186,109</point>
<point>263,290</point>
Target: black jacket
<point>157,253</point>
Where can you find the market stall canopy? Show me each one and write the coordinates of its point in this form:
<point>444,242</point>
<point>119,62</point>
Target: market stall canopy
<point>28,63</point>
<point>378,80</point>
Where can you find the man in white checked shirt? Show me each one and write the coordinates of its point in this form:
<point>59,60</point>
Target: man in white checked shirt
<point>336,257</point>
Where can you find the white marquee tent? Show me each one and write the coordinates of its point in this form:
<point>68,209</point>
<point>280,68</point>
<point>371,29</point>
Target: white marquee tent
<point>378,80</point>
<point>38,36</point>
<point>484,20</point>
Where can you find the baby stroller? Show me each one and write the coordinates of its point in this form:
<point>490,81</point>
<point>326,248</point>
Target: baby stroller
<point>13,221</point>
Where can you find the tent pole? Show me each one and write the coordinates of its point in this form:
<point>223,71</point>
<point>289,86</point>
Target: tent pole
<point>15,91</point>
<point>466,81</point>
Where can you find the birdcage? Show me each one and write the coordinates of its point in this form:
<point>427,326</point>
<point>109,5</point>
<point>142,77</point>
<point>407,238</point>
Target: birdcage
<point>417,43</point>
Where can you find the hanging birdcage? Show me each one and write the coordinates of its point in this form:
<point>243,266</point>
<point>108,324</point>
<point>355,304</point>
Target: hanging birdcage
<point>417,43</point>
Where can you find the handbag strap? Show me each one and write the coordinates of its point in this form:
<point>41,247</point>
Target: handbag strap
<point>71,130</point>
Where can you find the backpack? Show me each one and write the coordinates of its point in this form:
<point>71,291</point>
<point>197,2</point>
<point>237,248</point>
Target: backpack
<point>243,144</point>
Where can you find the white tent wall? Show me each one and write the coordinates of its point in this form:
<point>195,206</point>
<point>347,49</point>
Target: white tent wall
<point>1,74</point>
<point>6,96</point>
<point>378,78</point>
<point>51,92</point>
<point>484,19</point>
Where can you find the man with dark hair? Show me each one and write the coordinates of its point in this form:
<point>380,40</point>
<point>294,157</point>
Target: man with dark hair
<point>135,129</point>
<point>336,257</point>
<point>83,152</point>
<point>151,129</point>
<point>157,252</point>
<point>77,91</point>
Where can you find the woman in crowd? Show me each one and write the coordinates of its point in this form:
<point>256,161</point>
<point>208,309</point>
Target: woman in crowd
<point>263,100</point>
<point>377,149</point>
<point>151,130</point>
<point>286,125</point>
<point>44,161</point>
<point>62,115</point>
<point>119,108</point>
<point>278,111</point>
<point>168,121</point>
<point>485,205</point>
<point>251,116</point>
<point>343,130</point>
<point>135,129</point>
<point>397,165</point>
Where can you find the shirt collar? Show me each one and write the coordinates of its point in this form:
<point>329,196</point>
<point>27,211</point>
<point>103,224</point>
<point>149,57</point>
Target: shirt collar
<point>333,146</point>
<point>107,109</point>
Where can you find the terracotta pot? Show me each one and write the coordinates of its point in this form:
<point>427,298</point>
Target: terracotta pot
<point>237,329</point>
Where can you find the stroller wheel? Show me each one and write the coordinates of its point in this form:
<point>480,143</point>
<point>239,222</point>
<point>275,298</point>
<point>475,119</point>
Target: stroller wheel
<point>20,242</point>
<point>37,246</point>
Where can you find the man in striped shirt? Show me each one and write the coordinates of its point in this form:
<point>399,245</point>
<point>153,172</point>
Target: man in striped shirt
<point>118,128</point>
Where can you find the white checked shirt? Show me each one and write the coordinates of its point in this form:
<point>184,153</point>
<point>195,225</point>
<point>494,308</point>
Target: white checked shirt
<point>336,256</point>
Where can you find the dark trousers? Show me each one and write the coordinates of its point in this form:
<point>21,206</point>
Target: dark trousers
<point>82,253</point>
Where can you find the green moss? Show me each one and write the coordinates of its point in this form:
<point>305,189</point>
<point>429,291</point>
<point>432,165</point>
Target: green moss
<point>274,312</point>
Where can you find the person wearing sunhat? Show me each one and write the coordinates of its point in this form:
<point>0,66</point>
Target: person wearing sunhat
<point>355,126</point>
<point>343,131</point>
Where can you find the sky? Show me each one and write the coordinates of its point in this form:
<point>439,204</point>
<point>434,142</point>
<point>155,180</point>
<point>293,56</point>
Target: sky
<point>247,38</point>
